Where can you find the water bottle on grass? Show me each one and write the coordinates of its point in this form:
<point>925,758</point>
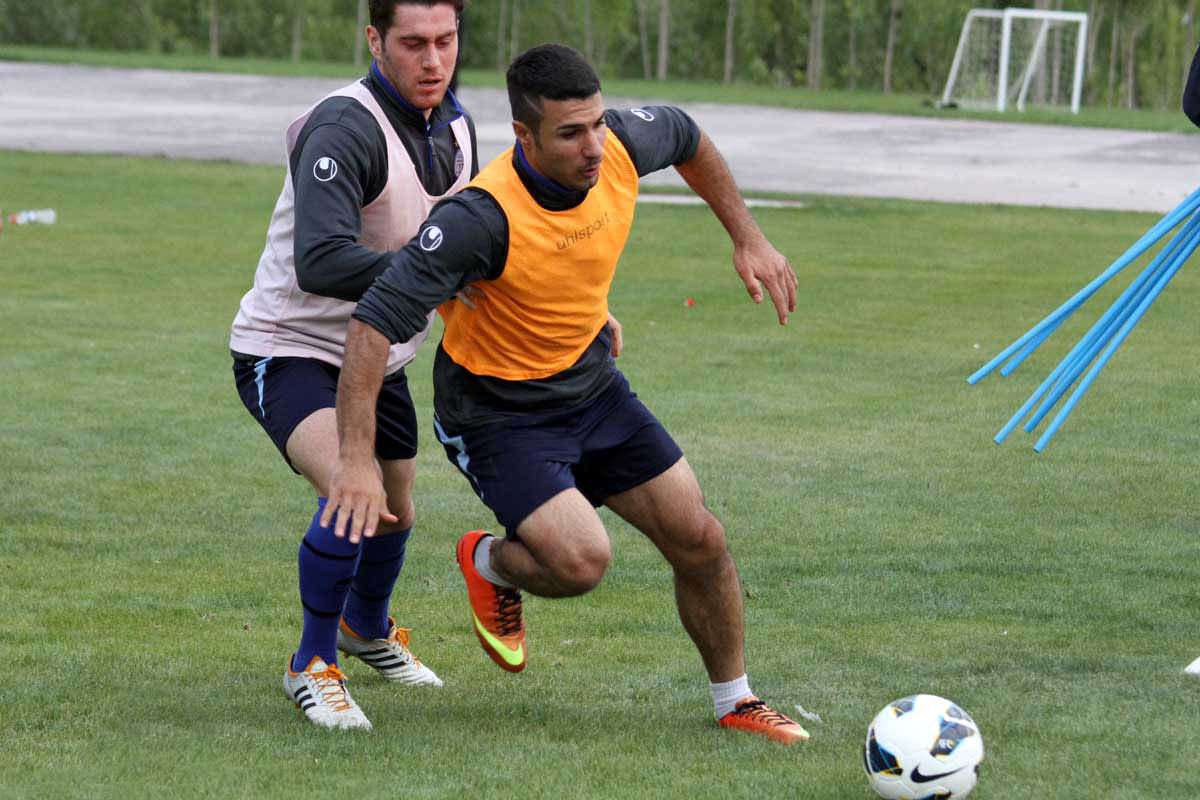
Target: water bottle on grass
<point>46,216</point>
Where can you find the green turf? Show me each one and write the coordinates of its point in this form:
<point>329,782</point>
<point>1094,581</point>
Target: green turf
<point>147,561</point>
<point>673,91</point>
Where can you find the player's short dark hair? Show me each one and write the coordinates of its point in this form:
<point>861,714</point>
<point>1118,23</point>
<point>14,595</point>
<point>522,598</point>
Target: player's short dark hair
<point>384,11</point>
<point>548,72</point>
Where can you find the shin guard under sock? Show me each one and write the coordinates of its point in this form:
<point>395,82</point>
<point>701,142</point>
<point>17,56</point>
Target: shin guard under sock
<point>366,610</point>
<point>327,567</point>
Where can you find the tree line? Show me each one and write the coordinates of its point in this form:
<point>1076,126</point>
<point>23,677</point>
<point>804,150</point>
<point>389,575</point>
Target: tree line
<point>1138,51</point>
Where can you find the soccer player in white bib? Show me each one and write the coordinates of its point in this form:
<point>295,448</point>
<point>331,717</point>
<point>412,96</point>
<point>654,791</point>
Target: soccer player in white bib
<point>365,166</point>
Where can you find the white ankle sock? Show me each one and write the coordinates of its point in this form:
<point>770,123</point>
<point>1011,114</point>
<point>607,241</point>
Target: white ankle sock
<point>483,562</point>
<point>726,695</point>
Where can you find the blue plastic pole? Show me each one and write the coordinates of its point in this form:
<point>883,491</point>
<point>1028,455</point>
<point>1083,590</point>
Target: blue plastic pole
<point>1032,345</point>
<point>1097,332</point>
<point>1092,345</point>
<point>1095,339</point>
<point>1159,285</point>
<point>1056,317</point>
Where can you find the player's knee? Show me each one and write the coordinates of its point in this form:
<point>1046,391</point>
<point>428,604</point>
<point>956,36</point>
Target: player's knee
<point>699,541</point>
<point>711,544</point>
<point>405,512</point>
<point>581,570</point>
<point>388,528</point>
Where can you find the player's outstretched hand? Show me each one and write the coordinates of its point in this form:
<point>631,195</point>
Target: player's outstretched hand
<point>618,342</point>
<point>356,494</point>
<point>761,265</point>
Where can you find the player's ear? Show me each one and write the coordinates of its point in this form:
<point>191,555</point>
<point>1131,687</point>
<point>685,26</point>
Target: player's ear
<point>375,43</point>
<point>524,134</point>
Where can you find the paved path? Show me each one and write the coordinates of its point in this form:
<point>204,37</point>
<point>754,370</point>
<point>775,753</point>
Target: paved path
<point>241,117</point>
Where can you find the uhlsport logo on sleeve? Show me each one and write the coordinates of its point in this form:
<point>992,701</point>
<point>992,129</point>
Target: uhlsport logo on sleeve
<point>431,238</point>
<point>325,169</point>
<point>642,114</point>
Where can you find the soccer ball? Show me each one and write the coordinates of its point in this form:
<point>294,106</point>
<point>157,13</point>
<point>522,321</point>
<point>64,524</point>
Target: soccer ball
<point>922,747</point>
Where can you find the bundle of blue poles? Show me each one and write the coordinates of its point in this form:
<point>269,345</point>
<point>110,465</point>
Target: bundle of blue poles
<point>1097,346</point>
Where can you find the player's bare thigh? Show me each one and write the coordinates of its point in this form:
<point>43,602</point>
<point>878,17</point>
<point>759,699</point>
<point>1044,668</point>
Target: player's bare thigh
<point>398,476</point>
<point>670,510</point>
<point>313,450</point>
<point>567,540</point>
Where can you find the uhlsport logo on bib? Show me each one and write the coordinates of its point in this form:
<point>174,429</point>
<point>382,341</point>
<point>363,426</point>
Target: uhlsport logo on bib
<point>582,234</point>
<point>325,169</point>
<point>642,114</point>
<point>431,238</point>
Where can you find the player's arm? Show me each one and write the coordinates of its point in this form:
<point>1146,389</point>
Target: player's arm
<point>661,136</point>
<point>756,260</point>
<point>339,166</point>
<point>465,239</point>
<point>356,490</point>
<point>1191,93</point>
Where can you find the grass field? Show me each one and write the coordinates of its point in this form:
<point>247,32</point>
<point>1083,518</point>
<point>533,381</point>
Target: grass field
<point>674,91</point>
<point>147,560</point>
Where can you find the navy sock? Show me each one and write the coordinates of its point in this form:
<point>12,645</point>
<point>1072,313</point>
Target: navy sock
<point>366,609</point>
<point>327,566</point>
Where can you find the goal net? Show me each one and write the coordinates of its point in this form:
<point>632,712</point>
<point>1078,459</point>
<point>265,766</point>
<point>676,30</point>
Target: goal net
<point>1018,58</point>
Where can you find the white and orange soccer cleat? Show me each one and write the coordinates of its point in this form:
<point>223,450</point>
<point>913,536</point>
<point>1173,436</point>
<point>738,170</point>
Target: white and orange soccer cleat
<point>390,657</point>
<point>320,692</point>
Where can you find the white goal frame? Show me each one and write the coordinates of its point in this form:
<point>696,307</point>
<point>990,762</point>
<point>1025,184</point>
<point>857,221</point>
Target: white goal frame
<point>1039,49</point>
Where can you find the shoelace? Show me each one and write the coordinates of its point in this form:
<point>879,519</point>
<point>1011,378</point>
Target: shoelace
<point>508,610</point>
<point>330,683</point>
<point>401,637</point>
<point>760,711</point>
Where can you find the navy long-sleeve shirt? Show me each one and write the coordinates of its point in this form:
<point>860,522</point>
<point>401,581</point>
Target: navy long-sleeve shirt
<point>1191,93</point>
<point>475,247</point>
<point>329,259</point>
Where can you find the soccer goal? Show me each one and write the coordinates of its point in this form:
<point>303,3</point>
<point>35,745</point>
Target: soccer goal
<point>1018,57</point>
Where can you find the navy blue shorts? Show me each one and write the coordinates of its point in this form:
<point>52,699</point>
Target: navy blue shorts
<point>281,392</point>
<point>604,448</point>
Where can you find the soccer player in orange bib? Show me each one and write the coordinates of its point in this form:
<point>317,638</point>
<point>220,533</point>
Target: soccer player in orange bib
<point>528,401</point>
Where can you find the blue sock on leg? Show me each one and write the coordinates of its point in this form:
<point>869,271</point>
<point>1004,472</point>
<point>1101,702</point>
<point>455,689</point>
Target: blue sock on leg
<point>366,610</point>
<point>327,567</point>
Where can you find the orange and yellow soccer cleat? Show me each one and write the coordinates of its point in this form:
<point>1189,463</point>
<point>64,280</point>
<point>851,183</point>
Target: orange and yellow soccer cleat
<point>495,610</point>
<point>754,716</point>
